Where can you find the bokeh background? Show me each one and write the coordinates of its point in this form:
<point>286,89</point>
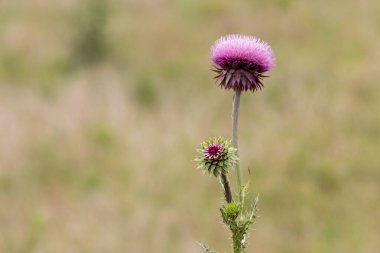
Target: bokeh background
<point>103,103</point>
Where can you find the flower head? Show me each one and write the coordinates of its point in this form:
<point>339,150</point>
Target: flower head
<point>216,156</point>
<point>240,61</point>
<point>213,151</point>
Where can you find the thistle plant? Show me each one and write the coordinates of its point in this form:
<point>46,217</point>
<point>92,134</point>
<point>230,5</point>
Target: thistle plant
<point>240,63</point>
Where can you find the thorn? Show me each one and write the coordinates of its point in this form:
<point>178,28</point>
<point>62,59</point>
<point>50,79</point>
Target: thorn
<point>257,199</point>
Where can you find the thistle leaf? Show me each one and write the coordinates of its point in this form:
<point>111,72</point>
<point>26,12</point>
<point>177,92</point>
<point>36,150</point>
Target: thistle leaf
<point>253,212</point>
<point>206,248</point>
<point>243,194</point>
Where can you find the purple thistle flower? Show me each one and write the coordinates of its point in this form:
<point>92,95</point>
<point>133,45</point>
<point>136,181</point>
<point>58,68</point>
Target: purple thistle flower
<point>240,61</point>
<point>213,151</point>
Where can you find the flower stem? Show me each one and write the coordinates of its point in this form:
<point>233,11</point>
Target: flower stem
<point>227,189</point>
<point>238,246</point>
<point>235,116</point>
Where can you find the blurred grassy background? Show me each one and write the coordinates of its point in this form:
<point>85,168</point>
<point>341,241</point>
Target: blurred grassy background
<point>102,104</point>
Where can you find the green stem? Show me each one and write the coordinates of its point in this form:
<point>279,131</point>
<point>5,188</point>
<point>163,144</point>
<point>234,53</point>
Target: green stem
<point>235,116</point>
<point>238,239</point>
<point>237,247</point>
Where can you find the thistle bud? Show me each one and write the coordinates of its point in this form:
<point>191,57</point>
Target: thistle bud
<point>216,156</point>
<point>231,210</point>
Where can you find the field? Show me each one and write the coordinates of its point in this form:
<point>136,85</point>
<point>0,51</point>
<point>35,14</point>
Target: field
<point>103,103</point>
